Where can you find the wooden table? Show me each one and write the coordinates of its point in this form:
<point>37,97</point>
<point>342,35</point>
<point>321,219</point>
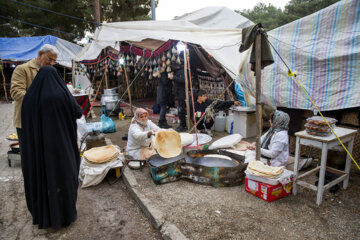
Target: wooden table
<point>324,143</point>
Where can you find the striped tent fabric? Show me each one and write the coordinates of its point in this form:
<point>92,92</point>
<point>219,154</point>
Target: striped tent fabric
<point>324,49</point>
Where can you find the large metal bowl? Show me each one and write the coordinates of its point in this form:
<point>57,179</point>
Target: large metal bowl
<point>110,105</point>
<point>108,98</point>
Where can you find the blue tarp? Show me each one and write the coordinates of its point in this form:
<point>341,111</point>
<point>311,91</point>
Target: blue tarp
<point>23,48</point>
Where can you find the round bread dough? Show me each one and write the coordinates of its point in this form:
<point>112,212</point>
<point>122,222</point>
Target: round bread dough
<point>101,154</point>
<point>218,156</point>
<point>226,142</point>
<point>168,143</point>
<point>241,146</point>
<point>186,139</point>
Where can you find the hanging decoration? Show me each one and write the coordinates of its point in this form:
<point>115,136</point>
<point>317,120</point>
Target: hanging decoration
<point>131,58</point>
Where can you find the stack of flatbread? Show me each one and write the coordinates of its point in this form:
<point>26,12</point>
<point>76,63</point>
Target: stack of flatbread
<point>260,169</point>
<point>168,143</point>
<point>103,154</point>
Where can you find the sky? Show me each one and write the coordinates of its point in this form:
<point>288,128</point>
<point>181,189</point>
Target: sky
<point>168,9</point>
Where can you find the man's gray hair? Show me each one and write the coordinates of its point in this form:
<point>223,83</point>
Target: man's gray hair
<point>49,48</point>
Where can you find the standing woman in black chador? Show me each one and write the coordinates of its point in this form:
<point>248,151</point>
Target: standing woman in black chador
<point>50,155</point>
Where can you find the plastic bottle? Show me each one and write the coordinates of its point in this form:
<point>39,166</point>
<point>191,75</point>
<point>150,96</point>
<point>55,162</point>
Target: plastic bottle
<point>232,127</point>
<point>70,87</point>
<point>79,87</point>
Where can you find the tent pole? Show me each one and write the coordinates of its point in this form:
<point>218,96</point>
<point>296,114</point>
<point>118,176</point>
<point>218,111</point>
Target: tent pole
<point>186,52</point>
<point>106,78</point>
<point>128,90</point>
<point>258,94</point>
<point>2,73</point>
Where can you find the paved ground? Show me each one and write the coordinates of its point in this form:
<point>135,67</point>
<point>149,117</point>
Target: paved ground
<point>104,211</point>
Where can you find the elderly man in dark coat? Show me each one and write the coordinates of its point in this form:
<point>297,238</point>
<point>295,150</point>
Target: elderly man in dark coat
<point>164,98</point>
<point>179,86</point>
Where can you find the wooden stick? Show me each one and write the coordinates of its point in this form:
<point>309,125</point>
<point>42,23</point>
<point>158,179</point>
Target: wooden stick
<point>186,89</point>
<point>258,94</point>
<point>2,73</point>
<point>128,90</point>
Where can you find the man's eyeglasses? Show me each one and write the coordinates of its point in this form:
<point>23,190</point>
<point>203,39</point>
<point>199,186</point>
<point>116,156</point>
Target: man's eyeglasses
<point>51,59</point>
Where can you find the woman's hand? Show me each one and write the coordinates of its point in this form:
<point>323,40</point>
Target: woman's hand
<point>150,133</point>
<point>252,146</point>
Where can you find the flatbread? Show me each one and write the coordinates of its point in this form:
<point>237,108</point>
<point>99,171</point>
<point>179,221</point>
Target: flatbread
<point>260,169</point>
<point>241,146</point>
<point>101,154</point>
<point>168,143</point>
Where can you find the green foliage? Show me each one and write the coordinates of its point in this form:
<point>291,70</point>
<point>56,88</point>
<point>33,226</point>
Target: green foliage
<point>111,11</point>
<point>272,17</point>
<point>75,8</point>
<point>125,10</point>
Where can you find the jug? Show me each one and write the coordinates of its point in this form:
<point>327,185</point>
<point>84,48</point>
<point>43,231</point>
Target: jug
<point>220,121</point>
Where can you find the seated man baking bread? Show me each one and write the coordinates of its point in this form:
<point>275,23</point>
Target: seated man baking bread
<point>139,145</point>
<point>201,103</point>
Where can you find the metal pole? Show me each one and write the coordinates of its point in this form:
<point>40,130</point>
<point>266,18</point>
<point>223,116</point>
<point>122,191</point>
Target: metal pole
<point>186,52</point>
<point>258,94</point>
<point>153,10</point>
<point>73,73</point>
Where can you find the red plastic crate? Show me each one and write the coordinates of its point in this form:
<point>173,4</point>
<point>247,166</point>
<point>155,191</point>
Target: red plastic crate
<point>266,191</point>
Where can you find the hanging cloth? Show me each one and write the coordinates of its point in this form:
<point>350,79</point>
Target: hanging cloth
<point>248,38</point>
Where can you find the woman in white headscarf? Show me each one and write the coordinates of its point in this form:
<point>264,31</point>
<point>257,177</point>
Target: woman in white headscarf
<point>275,142</point>
<point>140,136</point>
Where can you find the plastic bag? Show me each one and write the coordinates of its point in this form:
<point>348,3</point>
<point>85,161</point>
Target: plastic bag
<point>108,125</point>
<point>81,130</point>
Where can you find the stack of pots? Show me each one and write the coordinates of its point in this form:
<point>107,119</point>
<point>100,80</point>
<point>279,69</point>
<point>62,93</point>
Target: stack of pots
<point>109,100</point>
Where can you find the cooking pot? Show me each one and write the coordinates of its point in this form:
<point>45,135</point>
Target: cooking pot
<point>110,91</point>
<point>110,105</point>
<point>107,98</point>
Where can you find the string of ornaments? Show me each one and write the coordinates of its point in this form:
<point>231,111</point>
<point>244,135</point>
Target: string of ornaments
<point>116,63</point>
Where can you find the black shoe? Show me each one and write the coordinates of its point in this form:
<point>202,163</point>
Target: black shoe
<point>164,125</point>
<point>125,137</point>
<point>181,129</point>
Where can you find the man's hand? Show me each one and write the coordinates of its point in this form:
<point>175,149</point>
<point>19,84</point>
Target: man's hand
<point>171,75</point>
<point>237,103</point>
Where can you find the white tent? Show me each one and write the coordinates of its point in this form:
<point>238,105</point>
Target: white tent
<point>216,17</point>
<point>216,38</point>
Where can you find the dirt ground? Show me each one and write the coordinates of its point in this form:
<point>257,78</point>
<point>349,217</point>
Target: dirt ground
<point>200,212</point>
<point>205,212</point>
<point>104,211</point>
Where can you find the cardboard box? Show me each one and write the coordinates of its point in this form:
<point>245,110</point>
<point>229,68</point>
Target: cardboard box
<point>266,191</point>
